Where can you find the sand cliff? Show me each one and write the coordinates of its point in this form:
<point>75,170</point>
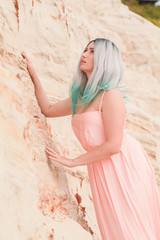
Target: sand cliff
<point>41,201</point>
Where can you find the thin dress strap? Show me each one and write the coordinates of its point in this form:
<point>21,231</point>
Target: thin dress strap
<point>100,105</point>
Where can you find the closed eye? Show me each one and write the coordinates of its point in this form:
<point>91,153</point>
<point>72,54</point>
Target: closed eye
<point>87,50</point>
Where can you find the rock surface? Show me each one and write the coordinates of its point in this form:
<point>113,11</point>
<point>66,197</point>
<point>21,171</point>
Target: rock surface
<point>40,201</point>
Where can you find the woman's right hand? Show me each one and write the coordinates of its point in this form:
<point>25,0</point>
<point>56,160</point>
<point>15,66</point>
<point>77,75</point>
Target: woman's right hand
<point>30,67</point>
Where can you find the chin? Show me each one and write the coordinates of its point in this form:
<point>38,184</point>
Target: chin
<point>82,69</point>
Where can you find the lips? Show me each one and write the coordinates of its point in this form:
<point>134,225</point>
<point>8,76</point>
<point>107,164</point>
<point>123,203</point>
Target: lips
<point>83,61</point>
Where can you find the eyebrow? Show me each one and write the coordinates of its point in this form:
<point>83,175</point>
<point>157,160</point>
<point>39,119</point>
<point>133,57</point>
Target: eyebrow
<point>90,48</point>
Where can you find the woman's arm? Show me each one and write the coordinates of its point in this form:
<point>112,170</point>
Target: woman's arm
<point>42,99</point>
<point>58,109</point>
<point>61,108</point>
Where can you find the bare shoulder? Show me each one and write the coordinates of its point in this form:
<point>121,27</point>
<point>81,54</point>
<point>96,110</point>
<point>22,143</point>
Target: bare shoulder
<point>114,92</point>
<point>113,99</point>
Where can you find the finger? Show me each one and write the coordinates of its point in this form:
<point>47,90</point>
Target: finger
<point>55,159</point>
<point>47,151</point>
<point>24,55</point>
<point>50,150</point>
<point>53,154</point>
<point>51,158</point>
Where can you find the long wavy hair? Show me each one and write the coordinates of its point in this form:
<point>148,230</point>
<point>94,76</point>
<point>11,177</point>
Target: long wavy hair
<point>107,73</point>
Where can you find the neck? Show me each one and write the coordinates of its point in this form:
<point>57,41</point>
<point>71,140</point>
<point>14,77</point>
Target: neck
<point>88,75</point>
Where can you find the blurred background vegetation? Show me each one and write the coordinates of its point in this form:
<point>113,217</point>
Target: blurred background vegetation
<point>148,11</point>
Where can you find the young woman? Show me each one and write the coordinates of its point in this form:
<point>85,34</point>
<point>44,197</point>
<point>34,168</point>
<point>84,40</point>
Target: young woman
<point>124,189</point>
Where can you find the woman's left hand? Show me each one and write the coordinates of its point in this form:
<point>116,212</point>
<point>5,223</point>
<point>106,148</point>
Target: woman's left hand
<point>58,158</point>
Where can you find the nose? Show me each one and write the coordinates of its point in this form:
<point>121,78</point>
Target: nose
<point>84,55</point>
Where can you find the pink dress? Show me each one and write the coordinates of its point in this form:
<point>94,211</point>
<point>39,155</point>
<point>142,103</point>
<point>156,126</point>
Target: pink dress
<point>124,189</point>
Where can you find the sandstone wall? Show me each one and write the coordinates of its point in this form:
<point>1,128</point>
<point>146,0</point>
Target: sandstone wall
<point>41,201</point>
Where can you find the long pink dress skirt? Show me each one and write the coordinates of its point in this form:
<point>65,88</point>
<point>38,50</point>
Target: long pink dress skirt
<point>124,189</point>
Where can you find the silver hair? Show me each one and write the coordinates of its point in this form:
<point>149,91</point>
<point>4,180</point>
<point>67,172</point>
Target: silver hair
<point>108,66</point>
<point>107,73</point>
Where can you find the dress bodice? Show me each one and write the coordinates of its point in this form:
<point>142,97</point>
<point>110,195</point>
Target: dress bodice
<point>89,129</point>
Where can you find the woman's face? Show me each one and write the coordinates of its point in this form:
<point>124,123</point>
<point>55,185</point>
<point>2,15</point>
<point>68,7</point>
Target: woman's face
<point>87,60</point>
